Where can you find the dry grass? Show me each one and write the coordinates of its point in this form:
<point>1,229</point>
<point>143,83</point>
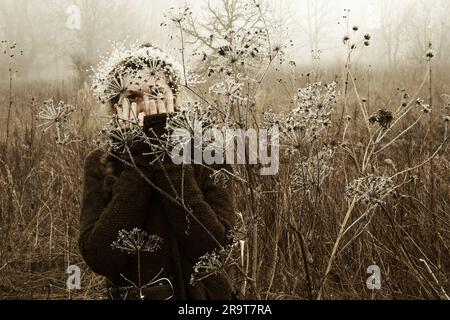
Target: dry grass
<point>41,187</point>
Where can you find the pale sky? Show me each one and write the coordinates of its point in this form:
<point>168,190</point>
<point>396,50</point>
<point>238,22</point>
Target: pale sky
<point>364,13</point>
<point>293,13</point>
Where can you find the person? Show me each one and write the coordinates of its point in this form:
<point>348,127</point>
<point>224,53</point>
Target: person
<point>118,196</point>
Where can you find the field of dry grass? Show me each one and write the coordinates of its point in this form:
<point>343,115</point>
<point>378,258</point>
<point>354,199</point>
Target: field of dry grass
<point>296,248</point>
<point>364,163</point>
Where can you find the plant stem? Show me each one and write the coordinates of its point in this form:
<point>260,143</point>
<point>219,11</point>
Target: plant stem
<point>10,103</point>
<point>335,248</point>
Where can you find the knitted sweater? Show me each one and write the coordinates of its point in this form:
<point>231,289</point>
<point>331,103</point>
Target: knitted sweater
<point>116,197</point>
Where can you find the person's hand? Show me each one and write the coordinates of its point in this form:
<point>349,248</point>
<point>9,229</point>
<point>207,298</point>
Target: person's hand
<point>131,112</point>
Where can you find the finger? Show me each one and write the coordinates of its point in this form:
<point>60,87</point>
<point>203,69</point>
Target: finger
<point>118,109</point>
<point>147,109</point>
<point>170,105</point>
<point>134,114</point>
<point>126,113</point>
<point>141,119</point>
<point>153,107</point>
<point>161,107</point>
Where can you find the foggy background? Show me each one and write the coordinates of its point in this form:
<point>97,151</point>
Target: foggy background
<point>400,31</point>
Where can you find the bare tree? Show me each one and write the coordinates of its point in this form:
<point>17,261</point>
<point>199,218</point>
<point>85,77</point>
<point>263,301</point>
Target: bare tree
<point>228,16</point>
<point>428,23</point>
<point>20,31</point>
<point>393,18</point>
<point>317,23</point>
<point>50,46</point>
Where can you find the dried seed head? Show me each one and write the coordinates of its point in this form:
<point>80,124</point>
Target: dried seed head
<point>370,190</point>
<point>383,117</point>
<point>136,241</point>
<point>429,55</point>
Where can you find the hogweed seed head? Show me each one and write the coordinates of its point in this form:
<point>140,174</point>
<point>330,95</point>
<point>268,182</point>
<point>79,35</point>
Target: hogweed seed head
<point>135,241</point>
<point>370,190</point>
<point>383,117</point>
<point>309,119</point>
<point>57,117</point>
<point>211,264</point>
<point>132,66</point>
<point>119,139</point>
<point>311,173</point>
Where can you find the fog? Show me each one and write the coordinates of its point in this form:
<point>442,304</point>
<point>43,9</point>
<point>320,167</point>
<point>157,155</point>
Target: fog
<point>400,30</point>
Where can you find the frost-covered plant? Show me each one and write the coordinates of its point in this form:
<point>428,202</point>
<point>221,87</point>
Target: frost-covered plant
<point>121,140</point>
<point>211,264</point>
<point>370,190</point>
<point>304,124</point>
<point>58,117</point>
<point>227,42</point>
<point>133,66</point>
<point>190,121</point>
<point>311,173</point>
<point>382,117</point>
<point>134,241</point>
<point>230,88</point>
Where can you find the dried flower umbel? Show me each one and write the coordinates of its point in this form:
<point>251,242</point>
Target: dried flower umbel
<point>311,173</point>
<point>56,116</point>
<point>212,264</point>
<point>133,66</point>
<point>233,50</point>
<point>383,117</point>
<point>305,123</point>
<point>191,120</point>
<point>371,190</point>
<point>121,140</point>
<point>136,240</point>
<point>230,88</point>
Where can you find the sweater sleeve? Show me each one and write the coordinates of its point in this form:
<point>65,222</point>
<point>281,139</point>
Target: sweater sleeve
<point>211,205</point>
<point>102,218</point>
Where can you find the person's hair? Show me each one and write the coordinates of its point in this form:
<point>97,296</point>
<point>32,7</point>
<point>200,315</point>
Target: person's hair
<point>130,64</point>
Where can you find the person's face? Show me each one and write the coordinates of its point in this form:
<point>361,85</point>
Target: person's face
<point>145,95</point>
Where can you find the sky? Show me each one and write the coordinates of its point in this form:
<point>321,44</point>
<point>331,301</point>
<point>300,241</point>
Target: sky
<point>364,13</point>
<point>41,20</point>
